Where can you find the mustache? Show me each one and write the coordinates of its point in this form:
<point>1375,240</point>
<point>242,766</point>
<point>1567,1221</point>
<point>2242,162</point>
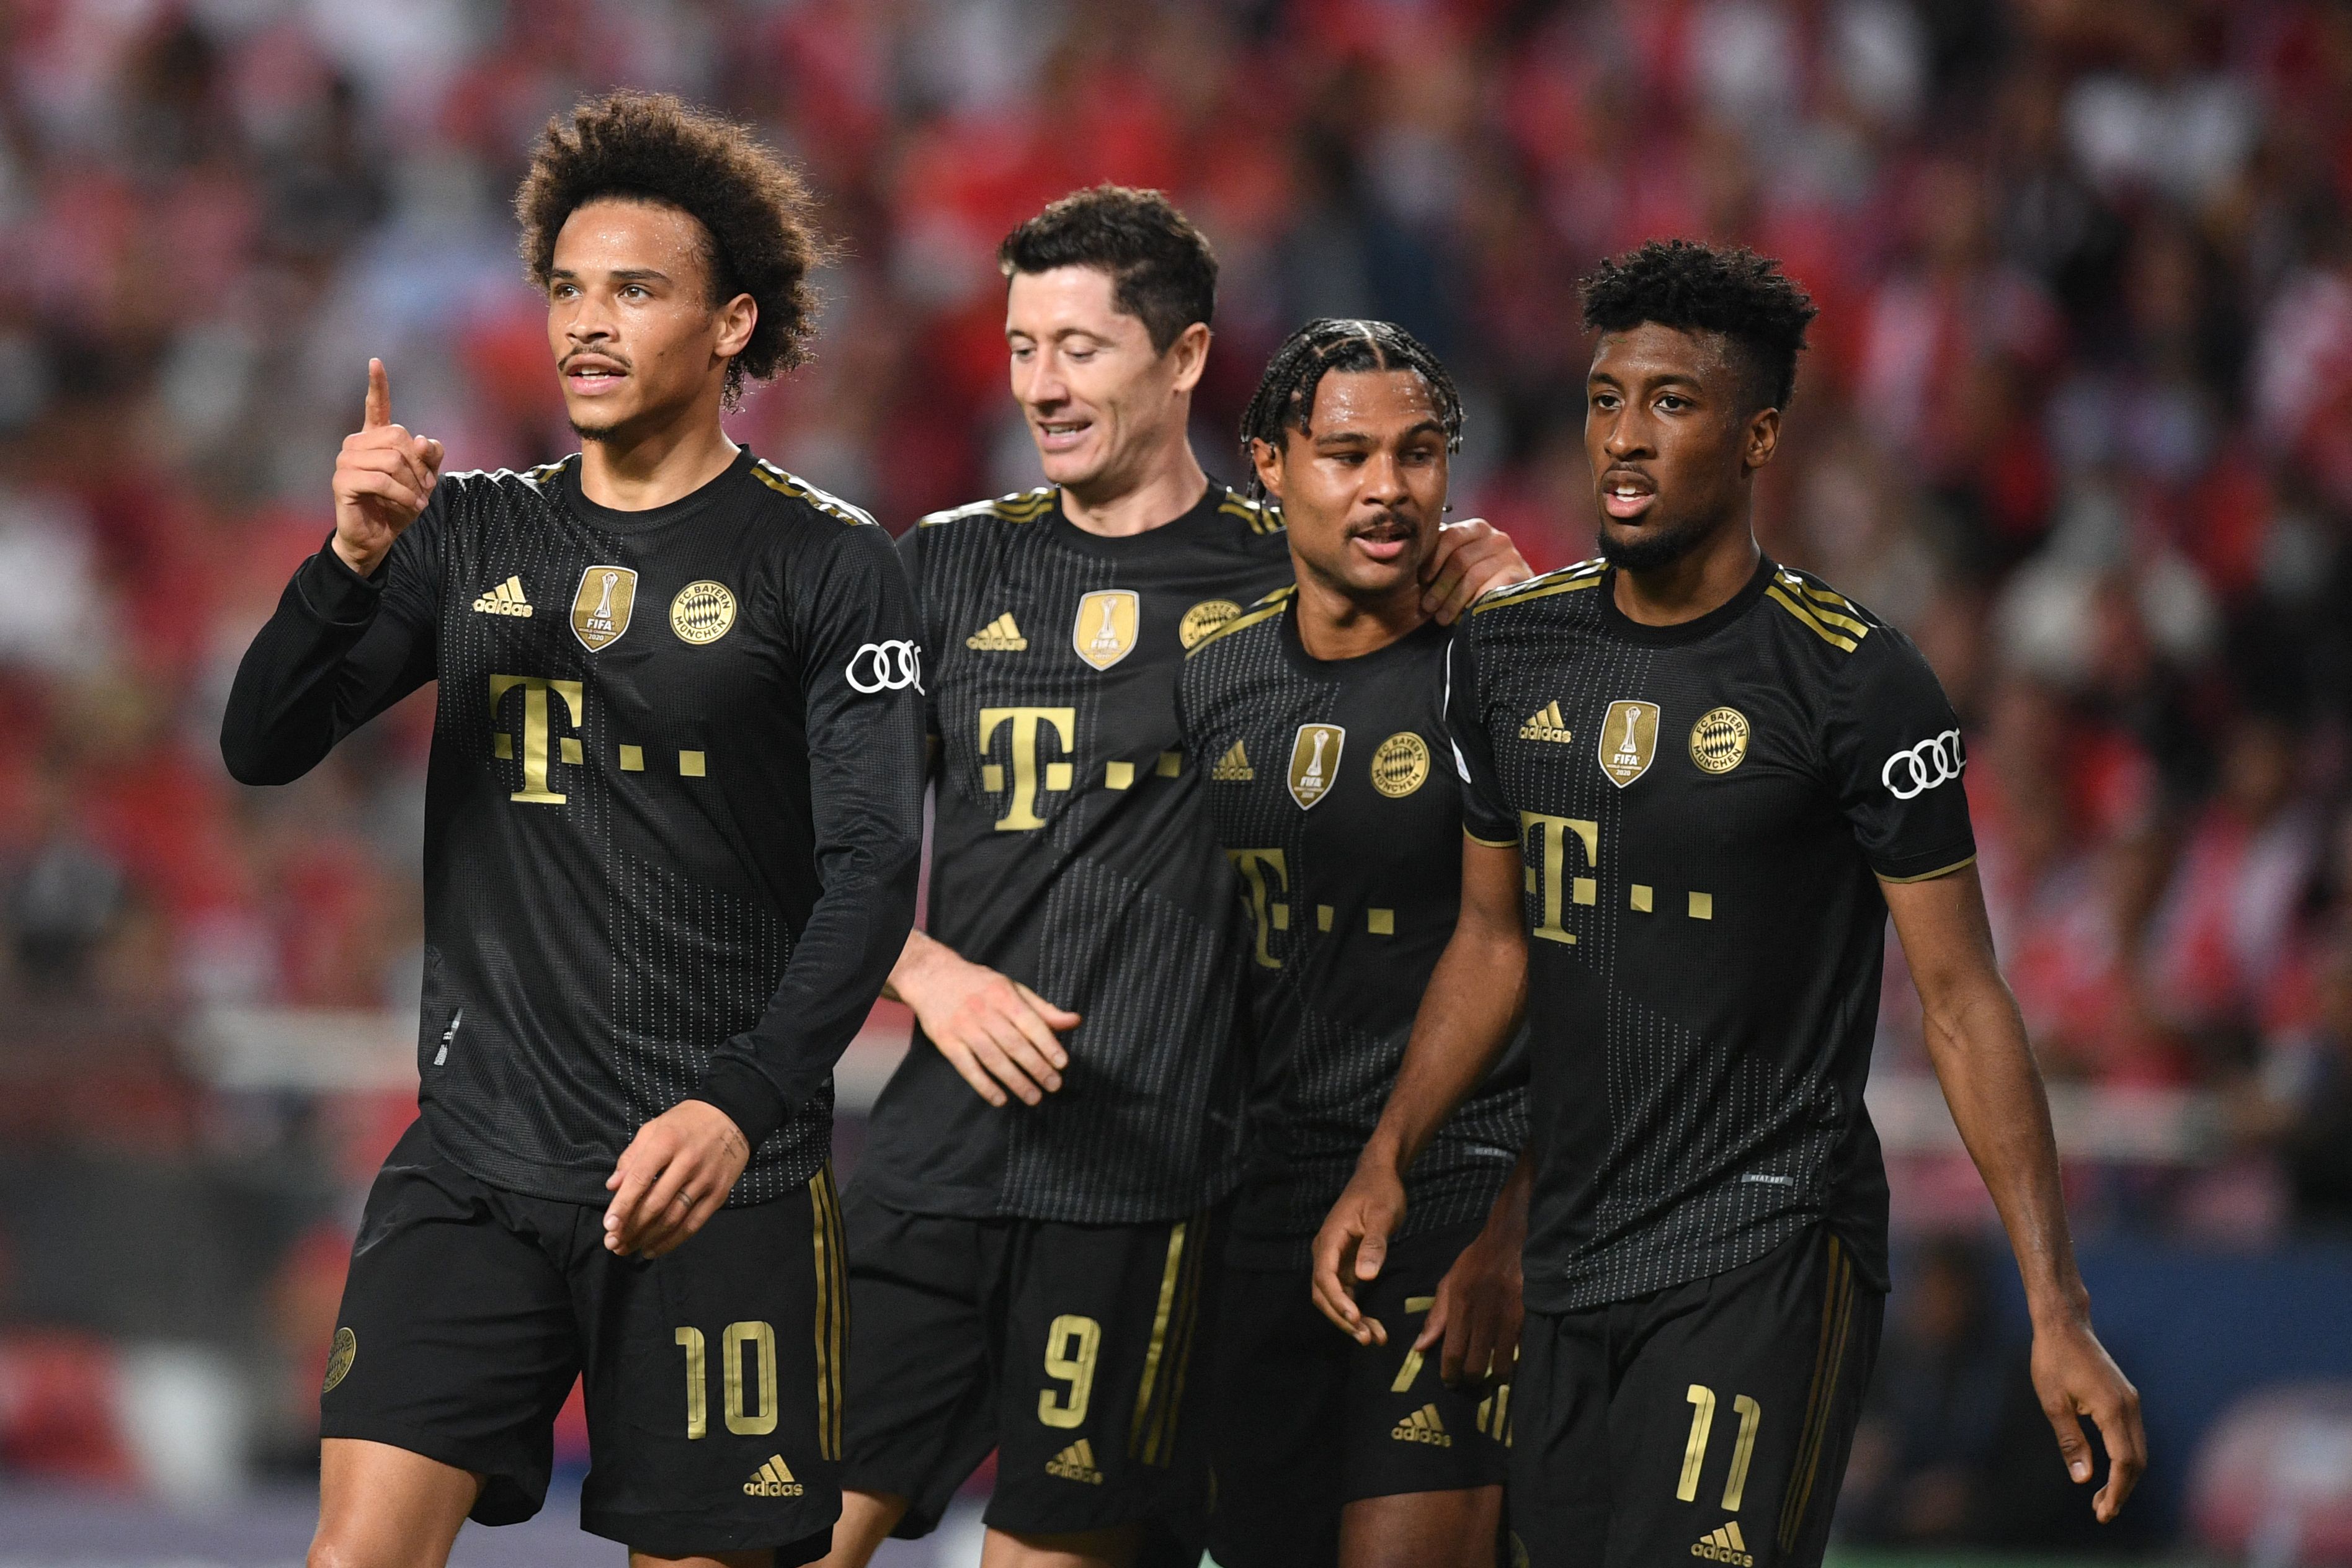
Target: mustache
<point>565,363</point>
<point>1389,518</point>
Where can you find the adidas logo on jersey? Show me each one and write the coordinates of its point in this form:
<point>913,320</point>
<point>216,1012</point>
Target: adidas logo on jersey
<point>1075,1463</point>
<point>773,1478</point>
<point>1546,723</point>
<point>1234,767</point>
<point>506,599</point>
<point>1000,636</point>
<point>1724,1546</point>
<point>1423,1426</point>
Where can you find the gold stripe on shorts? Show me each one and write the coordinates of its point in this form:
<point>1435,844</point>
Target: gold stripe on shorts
<point>1837,1318</point>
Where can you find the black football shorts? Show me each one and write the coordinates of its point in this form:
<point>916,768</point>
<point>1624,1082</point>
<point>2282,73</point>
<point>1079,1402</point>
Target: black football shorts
<point>713,1376</point>
<point>1306,1421</point>
<point>1076,1351</point>
<point>1709,1421</point>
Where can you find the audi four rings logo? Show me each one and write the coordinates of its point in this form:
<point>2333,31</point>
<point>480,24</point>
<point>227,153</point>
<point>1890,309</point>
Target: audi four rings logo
<point>1932,762</point>
<point>890,665</point>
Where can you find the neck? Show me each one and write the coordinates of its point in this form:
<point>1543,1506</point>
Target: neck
<point>1334,623</point>
<point>630,470</point>
<point>1703,580</point>
<point>1170,484</point>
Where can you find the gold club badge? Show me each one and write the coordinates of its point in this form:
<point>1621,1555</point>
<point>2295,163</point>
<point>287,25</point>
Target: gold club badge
<point>339,1365</point>
<point>1629,740</point>
<point>1401,765</point>
<point>1315,762</point>
<point>1104,632</point>
<point>702,612</point>
<point>600,610</point>
<point>1203,619</point>
<point>1719,741</point>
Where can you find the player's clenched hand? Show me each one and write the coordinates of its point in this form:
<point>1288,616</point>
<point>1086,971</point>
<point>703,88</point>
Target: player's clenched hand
<point>384,477</point>
<point>2074,1376</point>
<point>1478,1312</point>
<point>1472,556</point>
<point>674,1175</point>
<point>996,1031</point>
<point>1354,1243</point>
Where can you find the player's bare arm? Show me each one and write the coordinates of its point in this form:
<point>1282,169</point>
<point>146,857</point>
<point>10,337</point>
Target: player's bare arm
<point>1473,557</point>
<point>384,476</point>
<point>994,1030</point>
<point>1479,1304</point>
<point>1976,1039</point>
<point>1463,1026</point>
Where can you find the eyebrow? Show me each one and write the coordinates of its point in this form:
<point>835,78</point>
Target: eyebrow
<point>628,274</point>
<point>1425,427</point>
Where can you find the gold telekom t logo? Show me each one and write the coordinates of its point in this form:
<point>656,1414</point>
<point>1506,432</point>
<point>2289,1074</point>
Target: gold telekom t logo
<point>1020,815</point>
<point>535,730</point>
<point>1270,905</point>
<point>1547,839</point>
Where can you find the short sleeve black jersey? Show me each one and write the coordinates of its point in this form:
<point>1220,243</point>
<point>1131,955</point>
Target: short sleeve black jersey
<point>1070,851</point>
<point>1337,802</point>
<point>673,813</point>
<point>1705,810</point>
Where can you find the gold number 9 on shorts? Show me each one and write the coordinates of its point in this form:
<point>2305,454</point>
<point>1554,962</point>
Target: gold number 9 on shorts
<point>1072,1344</point>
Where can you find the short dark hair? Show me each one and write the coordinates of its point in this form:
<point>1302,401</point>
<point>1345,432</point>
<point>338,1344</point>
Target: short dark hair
<point>754,209</point>
<point>1698,287</point>
<point>1162,269</point>
<point>1284,398</point>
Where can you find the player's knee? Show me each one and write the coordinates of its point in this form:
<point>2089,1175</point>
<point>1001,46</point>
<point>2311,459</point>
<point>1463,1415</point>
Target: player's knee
<point>332,1549</point>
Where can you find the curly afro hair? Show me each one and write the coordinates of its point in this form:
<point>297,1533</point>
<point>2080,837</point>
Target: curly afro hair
<point>1328,344</point>
<point>755,212</point>
<point>1162,271</point>
<point>1730,291</point>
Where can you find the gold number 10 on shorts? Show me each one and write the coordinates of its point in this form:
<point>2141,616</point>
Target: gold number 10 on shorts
<point>732,1345</point>
<point>1072,1344</point>
<point>1735,1486</point>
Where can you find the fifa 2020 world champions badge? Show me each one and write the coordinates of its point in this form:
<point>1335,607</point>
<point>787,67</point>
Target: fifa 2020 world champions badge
<point>1315,762</point>
<point>600,609</point>
<point>1105,631</point>
<point>1629,740</point>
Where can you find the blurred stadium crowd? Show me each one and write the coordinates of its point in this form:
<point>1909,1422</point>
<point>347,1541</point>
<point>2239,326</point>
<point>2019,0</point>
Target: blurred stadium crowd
<point>2077,415</point>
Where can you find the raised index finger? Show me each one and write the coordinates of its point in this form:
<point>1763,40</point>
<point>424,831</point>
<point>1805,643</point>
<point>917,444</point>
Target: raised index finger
<point>379,396</point>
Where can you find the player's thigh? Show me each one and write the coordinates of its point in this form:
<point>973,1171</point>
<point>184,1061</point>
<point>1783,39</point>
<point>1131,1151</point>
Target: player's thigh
<point>1098,1423</point>
<point>1734,1415</point>
<point>1404,1428</point>
<point>381,1507</point>
<point>922,1389</point>
<point>1557,1504</point>
<point>456,1338</point>
<point>1275,1406</point>
<point>1422,1530</point>
<point>715,1384</point>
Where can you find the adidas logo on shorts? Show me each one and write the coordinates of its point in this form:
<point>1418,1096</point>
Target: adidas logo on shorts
<point>1000,636</point>
<point>1546,723</point>
<point>1423,1426</point>
<point>506,599</point>
<point>1724,1546</point>
<point>1075,1463</point>
<point>773,1478</point>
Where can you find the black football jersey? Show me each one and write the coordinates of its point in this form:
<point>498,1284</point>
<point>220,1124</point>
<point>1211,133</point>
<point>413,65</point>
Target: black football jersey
<point>1335,800</point>
<point>1704,811</point>
<point>1071,852</point>
<point>674,809</point>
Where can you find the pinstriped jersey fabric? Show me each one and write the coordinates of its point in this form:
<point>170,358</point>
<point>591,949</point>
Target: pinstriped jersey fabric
<point>671,825</point>
<point>1070,851</point>
<point>1326,786</point>
<point>1704,811</point>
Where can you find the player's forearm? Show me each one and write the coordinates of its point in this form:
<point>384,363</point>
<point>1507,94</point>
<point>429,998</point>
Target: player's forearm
<point>1465,1023</point>
<point>1977,1041</point>
<point>285,709</point>
<point>1506,1221</point>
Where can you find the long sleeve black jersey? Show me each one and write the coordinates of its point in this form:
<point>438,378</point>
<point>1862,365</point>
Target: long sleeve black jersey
<point>674,809</point>
<point>1327,794</point>
<point>1704,811</point>
<point>1070,851</point>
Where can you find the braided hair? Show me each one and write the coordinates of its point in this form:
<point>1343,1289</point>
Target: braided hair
<point>1286,393</point>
